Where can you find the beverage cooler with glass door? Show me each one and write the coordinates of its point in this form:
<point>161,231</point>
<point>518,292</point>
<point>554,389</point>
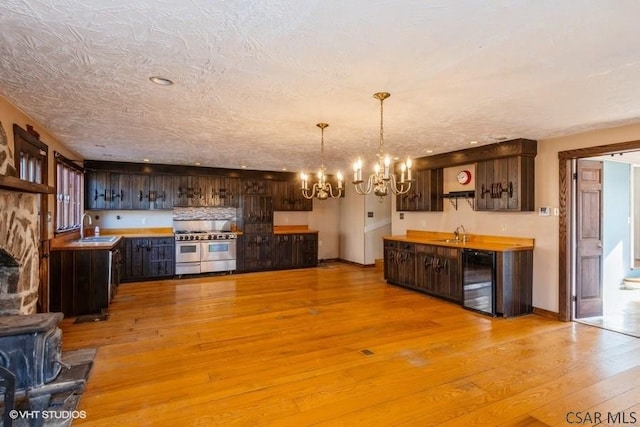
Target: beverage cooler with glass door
<point>479,281</point>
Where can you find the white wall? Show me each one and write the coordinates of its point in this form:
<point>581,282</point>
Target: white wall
<point>131,219</point>
<point>376,227</point>
<point>352,220</point>
<point>616,232</point>
<point>325,218</point>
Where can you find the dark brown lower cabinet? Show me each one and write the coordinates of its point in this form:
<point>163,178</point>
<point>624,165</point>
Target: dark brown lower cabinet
<point>83,281</point>
<point>254,252</point>
<point>283,251</point>
<point>514,283</point>
<point>438,271</point>
<point>277,251</point>
<point>149,258</point>
<point>400,263</point>
<point>305,250</point>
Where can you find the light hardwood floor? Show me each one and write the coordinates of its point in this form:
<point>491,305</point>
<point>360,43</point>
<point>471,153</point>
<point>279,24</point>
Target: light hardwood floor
<point>335,345</point>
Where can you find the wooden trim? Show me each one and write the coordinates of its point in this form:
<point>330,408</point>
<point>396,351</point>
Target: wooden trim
<point>546,313</point>
<point>31,138</point>
<point>17,184</point>
<point>43,277</point>
<point>599,150</point>
<point>356,263</point>
<point>159,169</point>
<point>564,244</point>
<point>60,158</point>
<point>515,147</point>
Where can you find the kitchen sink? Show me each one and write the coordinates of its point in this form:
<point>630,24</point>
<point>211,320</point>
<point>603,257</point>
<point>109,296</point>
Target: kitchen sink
<point>451,241</point>
<point>97,239</point>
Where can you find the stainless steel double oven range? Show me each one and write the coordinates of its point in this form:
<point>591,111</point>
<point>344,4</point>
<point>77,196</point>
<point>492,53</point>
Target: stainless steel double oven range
<point>204,246</point>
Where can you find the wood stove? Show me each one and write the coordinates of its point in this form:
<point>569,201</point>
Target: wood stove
<point>30,347</point>
<point>31,350</point>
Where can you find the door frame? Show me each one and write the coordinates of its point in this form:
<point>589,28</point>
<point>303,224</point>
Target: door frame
<point>565,250</point>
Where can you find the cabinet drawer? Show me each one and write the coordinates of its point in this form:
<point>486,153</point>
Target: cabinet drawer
<point>404,246</point>
<point>391,244</point>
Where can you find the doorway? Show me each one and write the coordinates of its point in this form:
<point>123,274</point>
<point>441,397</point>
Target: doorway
<point>603,243</point>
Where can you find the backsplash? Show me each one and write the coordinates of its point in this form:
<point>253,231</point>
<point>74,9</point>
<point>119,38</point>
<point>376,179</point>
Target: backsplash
<point>204,213</point>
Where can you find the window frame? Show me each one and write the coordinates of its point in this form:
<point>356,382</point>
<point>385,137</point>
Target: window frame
<point>68,207</point>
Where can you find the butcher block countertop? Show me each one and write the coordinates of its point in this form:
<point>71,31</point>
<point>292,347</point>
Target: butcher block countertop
<point>72,241</point>
<point>292,229</point>
<point>474,241</point>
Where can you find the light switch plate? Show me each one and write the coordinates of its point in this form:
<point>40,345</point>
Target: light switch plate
<point>544,211</point>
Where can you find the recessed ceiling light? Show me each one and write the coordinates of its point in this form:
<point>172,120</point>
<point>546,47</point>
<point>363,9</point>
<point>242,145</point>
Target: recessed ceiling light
<point>473,142</point>
<point>198,163</point>
<point>162,81</point>
<point>284,169</point>
<point>429,151</point>
<point>146,160</point>
<point>243,166</point>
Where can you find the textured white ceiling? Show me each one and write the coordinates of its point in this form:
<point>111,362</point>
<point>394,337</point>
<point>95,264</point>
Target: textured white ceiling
<point>253,77</point>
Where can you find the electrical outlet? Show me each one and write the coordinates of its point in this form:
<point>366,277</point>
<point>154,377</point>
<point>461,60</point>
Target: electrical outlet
<point>144,220</point>
<point>503,227</point>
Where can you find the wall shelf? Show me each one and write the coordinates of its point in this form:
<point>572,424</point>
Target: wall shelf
<point>454,196</point>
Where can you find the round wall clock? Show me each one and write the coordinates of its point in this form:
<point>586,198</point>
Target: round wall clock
<point>464,177</point>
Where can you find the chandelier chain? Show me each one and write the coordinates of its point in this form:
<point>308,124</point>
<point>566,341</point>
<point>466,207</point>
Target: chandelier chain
<point>381,147</point>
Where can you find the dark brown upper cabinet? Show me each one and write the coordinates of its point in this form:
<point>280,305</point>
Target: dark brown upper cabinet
<point>505,184</point>
<point>504,174</point>
<point>425,193</point>
<point>287,196</point>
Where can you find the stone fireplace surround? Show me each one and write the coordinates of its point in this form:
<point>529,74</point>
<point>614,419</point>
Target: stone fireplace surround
<point>19,237</point>
<point>19,262</point>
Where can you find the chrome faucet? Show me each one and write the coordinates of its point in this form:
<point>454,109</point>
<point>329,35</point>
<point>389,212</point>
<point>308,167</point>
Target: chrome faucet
<point>457,233</point>
<point>82,224</point>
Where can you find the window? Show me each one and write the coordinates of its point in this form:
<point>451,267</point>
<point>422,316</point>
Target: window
<point>31,155</point>
<point>68,185</point>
